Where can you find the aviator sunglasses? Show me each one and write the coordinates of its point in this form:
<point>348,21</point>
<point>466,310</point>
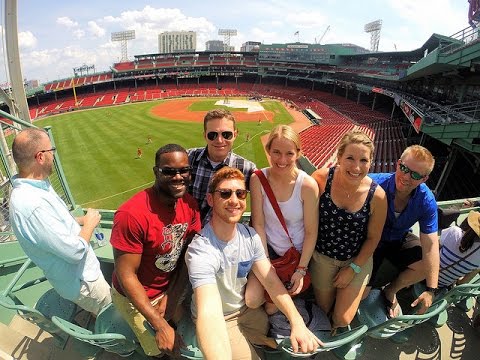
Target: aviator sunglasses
<point>413,174</point>
<point>185,171</point>
<point>212,135</point>
<point>226,194</point>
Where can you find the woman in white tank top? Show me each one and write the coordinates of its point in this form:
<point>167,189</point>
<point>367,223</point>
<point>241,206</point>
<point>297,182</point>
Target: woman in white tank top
<point>297,196</point>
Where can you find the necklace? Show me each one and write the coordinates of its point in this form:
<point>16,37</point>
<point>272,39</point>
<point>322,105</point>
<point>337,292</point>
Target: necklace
<point>349,194</point>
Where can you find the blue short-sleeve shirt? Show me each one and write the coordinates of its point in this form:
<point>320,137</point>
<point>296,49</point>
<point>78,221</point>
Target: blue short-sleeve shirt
<point>421,207</point>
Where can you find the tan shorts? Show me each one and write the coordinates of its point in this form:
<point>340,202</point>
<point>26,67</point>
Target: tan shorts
<point>94,295</point>
<point>324,269</point>
<point>246,327</point>
<point>137,322</point>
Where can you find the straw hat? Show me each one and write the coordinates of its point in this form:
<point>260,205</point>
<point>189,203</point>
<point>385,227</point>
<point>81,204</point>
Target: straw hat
<point>474,221</point>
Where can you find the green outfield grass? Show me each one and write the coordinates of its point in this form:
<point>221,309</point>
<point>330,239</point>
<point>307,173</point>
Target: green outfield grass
<point>98,148</point>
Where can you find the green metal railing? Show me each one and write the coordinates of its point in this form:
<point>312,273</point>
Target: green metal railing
<point>57,178</point>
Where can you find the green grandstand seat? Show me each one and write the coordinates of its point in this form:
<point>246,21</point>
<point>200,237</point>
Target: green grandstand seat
<point>461,296</point>
<point>372,313</point>
<point>48,306</point>
<point>329,342</point>
<point>111,333</point>
<point>186,329</point>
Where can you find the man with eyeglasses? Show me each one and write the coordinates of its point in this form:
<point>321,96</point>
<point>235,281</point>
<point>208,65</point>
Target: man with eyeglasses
<point>219,131</point>
<point>47,232</point>
<point>409,201</point>
<point>219,260</point>
<point>150,233</point>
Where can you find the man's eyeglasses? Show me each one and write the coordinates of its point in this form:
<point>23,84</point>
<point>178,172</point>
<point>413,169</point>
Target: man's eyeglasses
<point>185,171</point>
<point>212,135</point>
<point>44,151</point>
<point>226,194</point>
<point>413,174</point>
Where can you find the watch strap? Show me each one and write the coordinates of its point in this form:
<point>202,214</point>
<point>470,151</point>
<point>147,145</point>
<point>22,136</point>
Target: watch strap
<point>357,269</point>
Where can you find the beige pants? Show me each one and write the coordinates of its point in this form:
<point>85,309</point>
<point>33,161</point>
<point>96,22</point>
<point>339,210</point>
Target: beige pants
<point>137,322</point>
<point>94,295</point>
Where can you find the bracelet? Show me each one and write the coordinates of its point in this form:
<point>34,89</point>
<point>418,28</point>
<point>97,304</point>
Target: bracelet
<point>302,270</point>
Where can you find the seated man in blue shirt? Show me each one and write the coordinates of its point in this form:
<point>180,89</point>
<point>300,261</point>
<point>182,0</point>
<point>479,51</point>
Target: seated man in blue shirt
<point>409,200</point>
<point>46,230</point>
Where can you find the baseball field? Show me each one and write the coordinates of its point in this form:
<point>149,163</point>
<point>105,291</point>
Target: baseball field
<point>98,147</point>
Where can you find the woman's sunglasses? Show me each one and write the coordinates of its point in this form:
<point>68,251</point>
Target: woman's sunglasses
<point>212,135</point>
<point>413,174</point>
<point>226,194</point>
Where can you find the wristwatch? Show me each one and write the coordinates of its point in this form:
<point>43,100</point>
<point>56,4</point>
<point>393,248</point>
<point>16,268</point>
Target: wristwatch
<point>431,289</point>
<point>357,269</point>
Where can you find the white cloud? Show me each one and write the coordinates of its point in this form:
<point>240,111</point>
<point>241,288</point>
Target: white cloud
<point>26,40</point>
<point>79,33</point>
<point>95,30</point>
<point>149,22</point>
<point>305,20</point>
<point>430,16</point>
<point>263,36</point>
<point>66,21</point>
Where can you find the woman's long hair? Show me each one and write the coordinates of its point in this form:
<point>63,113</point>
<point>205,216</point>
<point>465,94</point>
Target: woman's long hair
<point>469,236</point>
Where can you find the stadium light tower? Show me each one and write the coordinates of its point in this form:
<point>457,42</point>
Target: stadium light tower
<point>227,34</point>
<point>374,29</point>
<point>123,36</point>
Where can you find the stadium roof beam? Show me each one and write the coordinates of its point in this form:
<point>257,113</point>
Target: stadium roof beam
<point>227,34</point>
<point>374,29</point>
<point>123,36</point>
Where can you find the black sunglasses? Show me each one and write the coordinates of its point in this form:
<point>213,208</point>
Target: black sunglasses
<point>185,171</point>
<point>413,174</point>
<point>226,194</point>
<point>212,135</point>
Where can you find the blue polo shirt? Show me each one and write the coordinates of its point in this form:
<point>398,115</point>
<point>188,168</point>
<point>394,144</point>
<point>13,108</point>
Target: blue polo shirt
<point>421,207</point>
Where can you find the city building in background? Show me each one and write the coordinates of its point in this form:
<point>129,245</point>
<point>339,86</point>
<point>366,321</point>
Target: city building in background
<point>214,45</point>
<point>177,41</point>
<point>250,46</point>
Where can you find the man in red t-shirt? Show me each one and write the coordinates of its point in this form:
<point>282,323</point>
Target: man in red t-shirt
<point>150,233</point>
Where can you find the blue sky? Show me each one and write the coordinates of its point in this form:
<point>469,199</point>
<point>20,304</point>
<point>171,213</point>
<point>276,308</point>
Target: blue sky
<point>55,36</point>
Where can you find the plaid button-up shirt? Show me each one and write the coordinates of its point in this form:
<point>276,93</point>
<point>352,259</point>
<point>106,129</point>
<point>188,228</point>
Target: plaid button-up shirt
<point>203,171</point>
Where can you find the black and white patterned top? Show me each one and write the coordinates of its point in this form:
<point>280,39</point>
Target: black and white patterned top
<point>341,233</point>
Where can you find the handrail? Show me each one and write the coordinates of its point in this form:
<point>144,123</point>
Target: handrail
<point>17,276</point>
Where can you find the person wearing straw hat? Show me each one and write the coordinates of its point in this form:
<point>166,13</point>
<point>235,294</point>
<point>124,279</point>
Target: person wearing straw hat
<point>460,252</point>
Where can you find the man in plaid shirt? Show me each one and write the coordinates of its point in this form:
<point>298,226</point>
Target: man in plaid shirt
<point>220,131</point>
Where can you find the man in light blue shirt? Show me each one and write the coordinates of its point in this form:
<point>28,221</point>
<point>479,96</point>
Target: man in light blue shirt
<point>46,230</point>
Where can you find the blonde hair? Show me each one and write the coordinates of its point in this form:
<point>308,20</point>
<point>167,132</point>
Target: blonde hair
<point>355,137</point>
<point>420,154</point>
<point>285,132</point>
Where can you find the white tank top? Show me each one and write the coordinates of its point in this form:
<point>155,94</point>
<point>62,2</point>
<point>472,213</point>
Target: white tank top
<point>292,211</point>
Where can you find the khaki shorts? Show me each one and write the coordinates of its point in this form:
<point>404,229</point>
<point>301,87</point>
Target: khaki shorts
<point>323,269</point>
<point>137,322</point>
<point>246,327</point>
<point>94,295</point>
